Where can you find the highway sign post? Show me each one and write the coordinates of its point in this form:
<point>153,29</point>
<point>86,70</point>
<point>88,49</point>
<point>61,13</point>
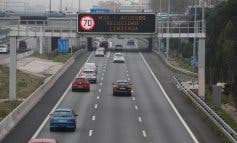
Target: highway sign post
<point>119,23</point>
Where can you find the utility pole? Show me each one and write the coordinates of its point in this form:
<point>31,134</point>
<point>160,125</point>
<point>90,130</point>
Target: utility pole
<point>195,31</point>
<point>168,31</point>
<point>61,5</point>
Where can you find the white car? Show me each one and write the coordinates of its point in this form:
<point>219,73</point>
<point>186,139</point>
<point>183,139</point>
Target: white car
<point>100,52</point>
<point>118,58</point>
<point>90,75</point>
<point>90,66</point>
<point>3,48</point>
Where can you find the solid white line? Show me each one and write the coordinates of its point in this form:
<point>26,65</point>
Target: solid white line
<point>90,132</point>
<point>99,90</point>
<point>96,106</point>
<point>136,107</point>
<point>139,119</point>
<point>59,101</point>
<point>93,118</point>
<point>98,97</point>
<point>171,103</point>
<point>144,133</point>
<point>133,98</point>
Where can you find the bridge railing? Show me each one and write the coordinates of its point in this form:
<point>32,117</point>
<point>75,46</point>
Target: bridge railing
<point>181,27</point>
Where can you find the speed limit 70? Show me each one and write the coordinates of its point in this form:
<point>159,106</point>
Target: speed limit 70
<point>87,23</point>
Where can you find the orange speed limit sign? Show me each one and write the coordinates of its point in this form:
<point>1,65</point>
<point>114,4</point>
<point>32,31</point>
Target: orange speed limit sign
<point>87,23</point>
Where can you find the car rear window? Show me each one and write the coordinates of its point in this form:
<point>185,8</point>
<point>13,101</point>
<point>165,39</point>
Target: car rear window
<point>122,83</point>
<point>90,66</point>
<point>80,79</point>
<point>62,113</point>
<point>89,72</point>
<point>118,55</point>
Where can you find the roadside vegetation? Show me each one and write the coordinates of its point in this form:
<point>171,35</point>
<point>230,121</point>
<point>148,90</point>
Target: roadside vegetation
<point>26,84</point>
<point>54,56</point>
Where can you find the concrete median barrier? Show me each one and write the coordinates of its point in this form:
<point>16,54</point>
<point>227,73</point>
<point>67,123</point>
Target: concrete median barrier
<point>8,123</point>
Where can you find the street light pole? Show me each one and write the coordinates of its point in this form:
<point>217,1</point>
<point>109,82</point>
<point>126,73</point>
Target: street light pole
<point>168,31</point>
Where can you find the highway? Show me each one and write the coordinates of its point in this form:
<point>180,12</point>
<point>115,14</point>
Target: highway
<point>147,116</point>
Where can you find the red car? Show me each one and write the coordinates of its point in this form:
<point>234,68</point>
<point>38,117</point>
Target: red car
<point>81,83</point>
<point>122,87</point>
<point>42,141</point>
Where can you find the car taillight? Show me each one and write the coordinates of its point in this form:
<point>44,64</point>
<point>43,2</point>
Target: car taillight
<point>51,118</point>
<point>72,120</point>
<point>114,86</point>
<point>74,83</point>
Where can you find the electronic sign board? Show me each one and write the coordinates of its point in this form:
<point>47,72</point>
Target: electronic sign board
<point>140,23</point>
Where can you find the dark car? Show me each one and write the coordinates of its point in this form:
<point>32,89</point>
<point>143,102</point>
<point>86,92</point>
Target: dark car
<point>122,87</point>
<point>118,47</point>
<point>63,119</point>
<point>80,84</point>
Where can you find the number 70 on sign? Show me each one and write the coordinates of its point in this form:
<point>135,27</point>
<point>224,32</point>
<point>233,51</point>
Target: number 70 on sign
<point>87,23</point>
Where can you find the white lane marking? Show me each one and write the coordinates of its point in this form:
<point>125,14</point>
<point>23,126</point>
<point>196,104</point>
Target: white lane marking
<point>98,97</point>
<point>128,79</point>
<point>132,91</point>
<point>93,118</point>
<point>99,90</point>
<point>101,83</point>
<point>133,98</point>
<point>103,74</point>
<point>102,78</point>
<point>59,101</point>
<point>96,106</point>
<point>144,133</point>
<point>170,102</point>
<point>103,70</point>
<point>90,132</point>
<point>139,119</point>
<point>136,107</point>
<point>105,67</point>
<point>127,75</point>
<point>108,55</point>
<point>126,71</point>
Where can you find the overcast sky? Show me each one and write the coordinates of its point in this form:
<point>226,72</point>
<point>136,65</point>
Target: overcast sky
<point>85,4</point>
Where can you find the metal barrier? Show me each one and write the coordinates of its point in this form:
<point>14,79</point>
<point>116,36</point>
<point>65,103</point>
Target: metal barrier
<point>212,116</point>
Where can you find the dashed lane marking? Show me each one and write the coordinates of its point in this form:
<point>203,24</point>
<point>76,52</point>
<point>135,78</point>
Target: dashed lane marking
<point>98,97</point>
<point>136,107</point>
<point>93,118</point>
<point>101,83</point>
<point>139,119</point>
<point>96,106</point>
<point>90,132</point>
<point>133,98</point>
<point>99,90</point>
<point>144,133</point>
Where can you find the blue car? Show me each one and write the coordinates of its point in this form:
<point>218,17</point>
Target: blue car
<point>63,119</point>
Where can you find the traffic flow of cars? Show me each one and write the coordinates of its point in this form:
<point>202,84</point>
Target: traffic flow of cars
<point>118,58</point>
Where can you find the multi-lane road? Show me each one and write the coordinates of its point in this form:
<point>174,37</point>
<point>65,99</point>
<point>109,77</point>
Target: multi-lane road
<point>147,116</point>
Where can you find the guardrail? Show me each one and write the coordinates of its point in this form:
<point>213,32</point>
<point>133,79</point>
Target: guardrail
<point>174,67</point>
<point>212,116</point>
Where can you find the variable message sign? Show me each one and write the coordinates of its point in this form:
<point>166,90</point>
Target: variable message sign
<point>116,23</point>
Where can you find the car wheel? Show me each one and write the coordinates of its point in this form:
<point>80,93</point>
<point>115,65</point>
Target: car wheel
<point>73,129</point>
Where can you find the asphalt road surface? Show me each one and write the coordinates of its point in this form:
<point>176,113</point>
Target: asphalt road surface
<point>147,116</point>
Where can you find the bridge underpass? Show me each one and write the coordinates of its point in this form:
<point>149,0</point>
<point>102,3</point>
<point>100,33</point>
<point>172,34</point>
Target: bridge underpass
<point>46,29</point>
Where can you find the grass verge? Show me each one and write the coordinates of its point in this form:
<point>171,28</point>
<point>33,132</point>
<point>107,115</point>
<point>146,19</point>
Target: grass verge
<point>7,107</point>
<point>181,62</point>
<point>54,56</point>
